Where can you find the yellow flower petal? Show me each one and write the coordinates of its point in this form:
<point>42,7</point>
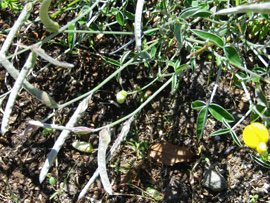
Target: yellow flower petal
<point>250,138</point>
<point>261,148</point>
<point>254,134</point>
<point>261,132</point>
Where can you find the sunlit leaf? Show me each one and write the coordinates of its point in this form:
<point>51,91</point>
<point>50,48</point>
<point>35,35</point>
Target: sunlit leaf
<point>198,104</point>
<point>180,68</point>
<point>83,146</point>
<point>209,36</point>
<point>220,113</point>
<point>186,13</point>
<point>111,61</point>
<point>129,15</point>
<point>232,56</point>
<point>71,36</point>
<point>202,13</point>
<point>233,134</point>
<point>120,18</point>
<point>220,132</point>
<point>260,162</point>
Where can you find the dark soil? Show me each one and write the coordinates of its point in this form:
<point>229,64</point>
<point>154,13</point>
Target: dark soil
<point>168,117</point>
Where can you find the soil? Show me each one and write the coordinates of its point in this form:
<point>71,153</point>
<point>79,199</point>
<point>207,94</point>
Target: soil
<point>168,117</point>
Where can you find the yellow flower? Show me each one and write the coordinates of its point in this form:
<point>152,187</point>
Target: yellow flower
<point>256,136</point>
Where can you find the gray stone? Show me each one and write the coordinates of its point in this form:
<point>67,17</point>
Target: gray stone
<point>214,181</point>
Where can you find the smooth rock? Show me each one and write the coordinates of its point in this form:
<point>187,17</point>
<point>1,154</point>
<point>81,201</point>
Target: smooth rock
<point>214,181</point>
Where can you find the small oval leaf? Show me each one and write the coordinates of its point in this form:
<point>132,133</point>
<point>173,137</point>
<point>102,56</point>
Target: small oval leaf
<point>188,12</point>
<point>209,36</point>
<point>197,104</point>
<point>220,132</point>
<point>260,162</point>
<point>220,113</point>
<point>201,121</point>
<point>232,56</point>
<point>83,146</point>
<point>120,18</point>
<point>178,34</point>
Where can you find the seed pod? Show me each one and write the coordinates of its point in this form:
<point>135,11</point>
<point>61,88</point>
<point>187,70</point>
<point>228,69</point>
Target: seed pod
<point>104,140</point>
<point>50,25</point>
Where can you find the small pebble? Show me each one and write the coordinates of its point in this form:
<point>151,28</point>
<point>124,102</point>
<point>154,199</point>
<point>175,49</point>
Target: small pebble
<point>214,181</point>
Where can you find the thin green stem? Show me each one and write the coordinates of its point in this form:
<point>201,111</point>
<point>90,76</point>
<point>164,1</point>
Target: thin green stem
<point>99,32</point>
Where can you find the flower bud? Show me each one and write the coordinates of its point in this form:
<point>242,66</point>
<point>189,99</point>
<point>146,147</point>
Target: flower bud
<point>261,148</point>
<point>121,96</point>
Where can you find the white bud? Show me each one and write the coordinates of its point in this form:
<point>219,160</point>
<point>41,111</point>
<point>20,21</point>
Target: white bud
<point>121,96</point>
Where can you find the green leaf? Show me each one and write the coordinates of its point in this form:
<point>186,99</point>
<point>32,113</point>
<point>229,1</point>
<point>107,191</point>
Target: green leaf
<point>180,68</point>
<point>201,120</point>
<point>220,132</point>
<point>153,51</point>
<point>178,34</point>
<point>220,113</point>
<point>186,13</point>
<point>109,60</point>
<point>264,32</point>
<point>120,18</point>
<point>129,15</point>
<point>255,115</point>
<point>260,162</point>
<point>124,56</point>
<point>238,81</point>
<point>154,193</point>
<point>232,56</point>
<point>202,14</point>
<point>46,131</point>
<point>71,37</point>
<point>197,105</point>
<point>234,136</point>
<point>52,180</point>
<point>209,36</point>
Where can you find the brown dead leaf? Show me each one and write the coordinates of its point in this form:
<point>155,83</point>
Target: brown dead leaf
<point>169,154</point>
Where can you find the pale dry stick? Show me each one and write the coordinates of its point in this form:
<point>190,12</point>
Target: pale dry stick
<point>138,24</point>
<point>14,30</point>
<point>62,137</point>
<point>256,8</point>
<point>52,126</point>
<point>50,25</point>
<point>117,142</point>
<point>14,92</point>
<point>104,140</point>
<point>81,130</point>
<point>42,96</point>
<point>216,86</point>
<point>40,52</point>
